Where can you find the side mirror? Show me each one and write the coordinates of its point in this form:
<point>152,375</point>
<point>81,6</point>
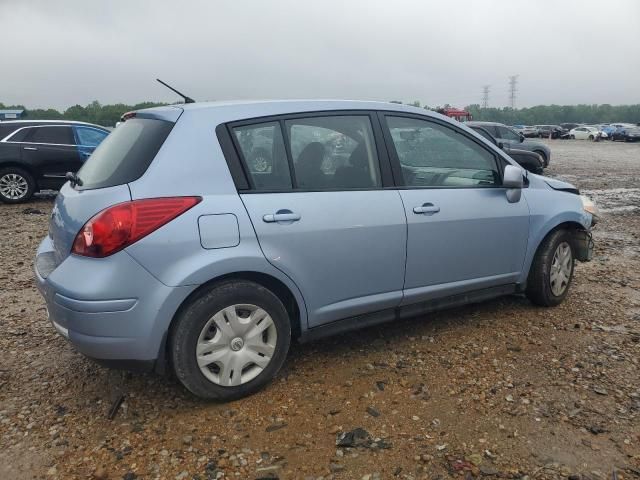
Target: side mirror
<point>501,145</point>
<point>513,181</point>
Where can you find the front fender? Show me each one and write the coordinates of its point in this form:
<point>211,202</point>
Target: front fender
<point>546,215</point>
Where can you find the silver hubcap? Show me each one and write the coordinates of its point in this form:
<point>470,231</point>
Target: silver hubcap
<point>561,269</point>
<point>236,345</point>
<point>13,186</point>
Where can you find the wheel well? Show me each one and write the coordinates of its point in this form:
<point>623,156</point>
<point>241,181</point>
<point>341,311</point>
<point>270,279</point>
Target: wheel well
<point>21,166</point>
<point>562,226</point>
<point>276,286</point>
<point>541,153</point>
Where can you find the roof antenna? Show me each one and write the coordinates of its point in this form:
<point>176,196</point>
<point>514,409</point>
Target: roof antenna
<point>186,99</point>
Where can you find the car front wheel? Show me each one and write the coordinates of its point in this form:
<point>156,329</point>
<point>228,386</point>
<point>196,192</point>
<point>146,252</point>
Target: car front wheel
<point>16,185</point>
<point>230,340</point>
<point>551,271</point>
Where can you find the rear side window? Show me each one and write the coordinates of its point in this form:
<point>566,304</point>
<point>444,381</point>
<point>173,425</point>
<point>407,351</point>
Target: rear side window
<point>52,135</point>
<point>264,155</point>
<point>125,154</point>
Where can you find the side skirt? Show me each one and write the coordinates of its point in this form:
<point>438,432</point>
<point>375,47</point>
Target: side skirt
<point>383,316</point>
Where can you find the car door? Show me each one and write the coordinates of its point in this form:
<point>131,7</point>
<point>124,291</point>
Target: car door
<point>87,139</point>
<point>51,150</point>
<point>322,213</point>
<point>463,234</point>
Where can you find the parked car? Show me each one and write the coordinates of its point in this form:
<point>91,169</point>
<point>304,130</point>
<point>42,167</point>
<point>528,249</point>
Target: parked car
<point>553,131</point>
<point>627,134</point>
<point>36,155</point>
<point>587,133</point>
<point>530,131</point>
<point>530,161</point>
<point>214,270</point>
<point>512,139</point>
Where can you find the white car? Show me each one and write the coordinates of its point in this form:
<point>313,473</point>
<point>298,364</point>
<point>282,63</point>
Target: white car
<point>587,133</point>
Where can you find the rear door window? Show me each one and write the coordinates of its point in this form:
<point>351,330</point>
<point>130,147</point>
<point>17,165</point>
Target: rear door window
<point>263,152</point>
<point>333,153</point>
<point>125,154</point>
<point>54,135</point>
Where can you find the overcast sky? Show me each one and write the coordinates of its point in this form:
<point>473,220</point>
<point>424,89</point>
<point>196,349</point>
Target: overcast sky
<point>57,53</point>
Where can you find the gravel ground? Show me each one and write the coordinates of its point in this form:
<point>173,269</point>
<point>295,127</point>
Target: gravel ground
<point>500,389</point>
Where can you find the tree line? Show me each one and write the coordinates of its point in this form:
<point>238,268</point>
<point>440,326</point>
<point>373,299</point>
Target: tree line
<point>550,114</point>
<point>95,112</point>
<point>108,115</point>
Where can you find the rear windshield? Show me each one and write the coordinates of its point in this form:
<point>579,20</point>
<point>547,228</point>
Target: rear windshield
<point>125,154</point>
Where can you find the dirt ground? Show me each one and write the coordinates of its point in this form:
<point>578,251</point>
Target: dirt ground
<point>500,390</point>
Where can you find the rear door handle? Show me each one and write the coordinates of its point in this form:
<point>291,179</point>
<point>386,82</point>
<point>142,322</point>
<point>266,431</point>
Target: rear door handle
<point>282,216</point>
<point>426,209</point>
<point>30,148</point>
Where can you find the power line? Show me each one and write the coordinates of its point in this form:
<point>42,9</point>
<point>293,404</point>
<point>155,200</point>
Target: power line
<point>485,95</point>
<point>513,88</point>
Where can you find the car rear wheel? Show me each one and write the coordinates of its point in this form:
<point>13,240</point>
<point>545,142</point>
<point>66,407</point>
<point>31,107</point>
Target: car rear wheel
<point>16,185</point>
<point>551,271</point>
<point>230,340</point>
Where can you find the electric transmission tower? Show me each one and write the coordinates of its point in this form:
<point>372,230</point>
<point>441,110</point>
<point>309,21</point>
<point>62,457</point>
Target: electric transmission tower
<point>485,95</point>
<point>513,88</point>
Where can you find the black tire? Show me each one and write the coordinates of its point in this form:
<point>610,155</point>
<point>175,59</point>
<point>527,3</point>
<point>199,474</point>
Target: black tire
<point>193,318</point>
<point>539,290</point>
<point>23,174</point>
<point>572,137</point>
<point>544,157</point>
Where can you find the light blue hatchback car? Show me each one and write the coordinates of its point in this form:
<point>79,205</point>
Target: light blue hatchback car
<point>205,237</point>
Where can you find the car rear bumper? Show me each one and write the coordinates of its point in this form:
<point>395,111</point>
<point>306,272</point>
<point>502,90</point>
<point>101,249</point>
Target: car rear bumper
<point>110,309</point>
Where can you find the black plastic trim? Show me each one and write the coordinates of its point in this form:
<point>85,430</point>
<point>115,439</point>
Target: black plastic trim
<point>231,156</point>
<point>405,311</point>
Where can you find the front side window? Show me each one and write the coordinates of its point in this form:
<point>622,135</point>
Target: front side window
<point>507,133</point>
<point>90,137</point>
<point>432,155</point>
<point>264,155</point>
<point>52,135</point>
<point>333,153</point>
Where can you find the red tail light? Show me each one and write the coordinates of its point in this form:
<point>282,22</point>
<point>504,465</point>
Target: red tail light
<point>117,227</point>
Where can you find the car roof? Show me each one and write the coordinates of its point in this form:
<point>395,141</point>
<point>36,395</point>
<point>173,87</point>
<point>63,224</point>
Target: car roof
<point>35,123</point>
<point>227,111</point>
<point>474,122</point>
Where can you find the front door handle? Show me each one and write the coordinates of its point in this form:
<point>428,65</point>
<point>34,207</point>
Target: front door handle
<point>282,216</point>
<point>426,209</point>
<point>30,148</point>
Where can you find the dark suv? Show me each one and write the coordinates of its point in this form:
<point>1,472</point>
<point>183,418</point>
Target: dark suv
<point>36,155</point>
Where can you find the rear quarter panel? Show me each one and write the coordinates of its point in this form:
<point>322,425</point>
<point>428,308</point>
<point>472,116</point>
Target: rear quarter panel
<point>191,162</point>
